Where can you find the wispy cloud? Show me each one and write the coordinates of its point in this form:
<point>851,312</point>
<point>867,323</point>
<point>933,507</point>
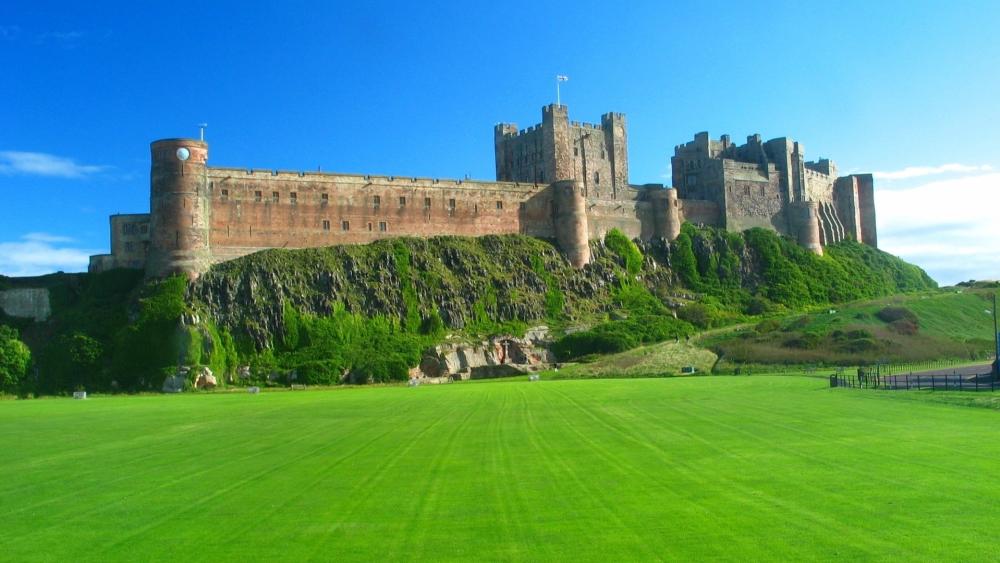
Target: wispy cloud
<point>41,253</point>
<point>9,32</point>
<point>46,237</point>
<point>921,171</point>
<point>43,164</point>
<point>948,227</point>
<point>63,38</point>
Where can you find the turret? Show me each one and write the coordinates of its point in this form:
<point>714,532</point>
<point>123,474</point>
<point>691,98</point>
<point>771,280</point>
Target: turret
<point>180,209</point>
<point>806,222</point>
<point>666,213</point>
<point>570,221</point>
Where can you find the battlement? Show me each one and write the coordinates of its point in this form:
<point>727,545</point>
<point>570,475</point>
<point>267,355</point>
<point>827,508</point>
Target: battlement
<point>557,179</point>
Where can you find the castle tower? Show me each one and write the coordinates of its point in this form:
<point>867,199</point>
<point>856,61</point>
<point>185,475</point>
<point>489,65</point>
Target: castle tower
<point>666,213</point>
<point>557,144</point>
<point>616,138</point>
<point>570,221</point>
<point>180,209</point>
<point>806,223</point>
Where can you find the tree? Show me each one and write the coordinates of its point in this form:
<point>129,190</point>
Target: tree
<point>15,357</point>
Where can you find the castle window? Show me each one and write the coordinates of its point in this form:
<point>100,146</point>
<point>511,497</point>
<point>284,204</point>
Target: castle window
<point>451,206</point>
<point>762,191</point>
<point>382,226</point>
<point>427,203</point>
<point>576,151</point>
<point>692,179</point>
<point>369,227</point>
<point>746,190</point>
<point>293,197</point>
<point>258,196</point>
<point>345,225</point>
<point>499,205</point>
<point>225,195</point>
<point>376,202</point>
<point>402,202</point>
<point>275,197</point>
<point>597,177</point>
<point>326,224</point>
<point>603,156</point>
<point>324,199</point>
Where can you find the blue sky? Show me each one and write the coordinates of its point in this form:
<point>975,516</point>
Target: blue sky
<point>907,90</point>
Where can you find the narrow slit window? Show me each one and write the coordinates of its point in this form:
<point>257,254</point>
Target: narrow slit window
<point>326,224</point>
<point>383,226</point>
<point>499,205</point>
<point>345,225</point>
<point>402,202</point>
<point>225,195</point>
<point>258,196</point>
<point>427,203</point>
<point>376,202</point>
<point>293,198</point>
<point>275,197</point>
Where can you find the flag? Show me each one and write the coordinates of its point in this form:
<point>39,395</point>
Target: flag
<point>562,77</point>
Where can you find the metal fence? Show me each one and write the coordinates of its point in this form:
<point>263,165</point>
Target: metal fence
<point>870,379</point>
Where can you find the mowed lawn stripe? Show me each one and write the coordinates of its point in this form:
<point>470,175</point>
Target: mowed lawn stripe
<point>679,469</point>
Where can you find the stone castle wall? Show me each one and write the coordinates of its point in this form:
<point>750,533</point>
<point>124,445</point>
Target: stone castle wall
<point>559,180</point>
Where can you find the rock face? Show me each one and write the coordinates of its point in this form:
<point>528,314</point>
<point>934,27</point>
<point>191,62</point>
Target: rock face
<point>500,356</point>
<point>506,277</point>
<point>32,303</point>
<point>176,382</point>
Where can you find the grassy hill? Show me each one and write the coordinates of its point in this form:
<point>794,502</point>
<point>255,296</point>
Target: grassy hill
<point>369,311</point>
<point>953,324</point>
<point>713,468</point>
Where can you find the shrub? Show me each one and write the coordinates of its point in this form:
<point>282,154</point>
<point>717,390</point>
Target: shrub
<point>579,344</point>
<point>14,359</point>
<point>617,242</point>
<point>891,314</point>
<point>766,326</point>
<point>319,372</point>
<point>907,327</point>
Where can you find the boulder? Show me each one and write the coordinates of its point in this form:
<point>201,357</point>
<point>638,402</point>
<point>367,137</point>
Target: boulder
<point>205,379</point>
<point>174,383</point>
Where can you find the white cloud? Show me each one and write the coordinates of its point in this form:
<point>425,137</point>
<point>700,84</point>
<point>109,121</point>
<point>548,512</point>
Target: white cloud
<point>921,171</point>
<point>43,164</point>
<point>948,227</point>
<point>46,237</point>
<point>41,253</point>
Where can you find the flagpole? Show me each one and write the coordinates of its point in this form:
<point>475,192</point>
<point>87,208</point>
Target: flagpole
<point>558,102</point>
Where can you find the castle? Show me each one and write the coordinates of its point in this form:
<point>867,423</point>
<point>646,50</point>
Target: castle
<point>560,180</point>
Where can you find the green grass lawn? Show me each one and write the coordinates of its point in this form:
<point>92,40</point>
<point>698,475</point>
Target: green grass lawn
<point>686,468</point>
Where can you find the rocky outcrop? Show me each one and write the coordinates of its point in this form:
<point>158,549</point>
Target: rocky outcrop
<point>500,356</point>
<point>31,303</point>
<point>506,277</point>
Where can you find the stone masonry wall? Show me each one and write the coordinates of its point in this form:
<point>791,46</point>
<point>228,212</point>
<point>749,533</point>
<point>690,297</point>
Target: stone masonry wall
<point>253,210</point>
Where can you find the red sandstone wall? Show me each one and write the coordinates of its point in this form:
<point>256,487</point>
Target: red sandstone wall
<point>241,224</point>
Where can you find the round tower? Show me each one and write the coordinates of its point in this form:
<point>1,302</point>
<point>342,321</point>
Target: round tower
<point>666,213</point>
<point>179,209</point>
<point>808,226</point>
<point>570,221</point>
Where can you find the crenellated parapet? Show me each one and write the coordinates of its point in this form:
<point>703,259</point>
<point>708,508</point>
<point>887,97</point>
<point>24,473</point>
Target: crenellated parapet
<point>561,180</point>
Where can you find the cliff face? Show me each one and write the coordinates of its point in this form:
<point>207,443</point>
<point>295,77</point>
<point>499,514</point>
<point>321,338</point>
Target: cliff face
<point>491,279</point>
<point>475,284</point>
